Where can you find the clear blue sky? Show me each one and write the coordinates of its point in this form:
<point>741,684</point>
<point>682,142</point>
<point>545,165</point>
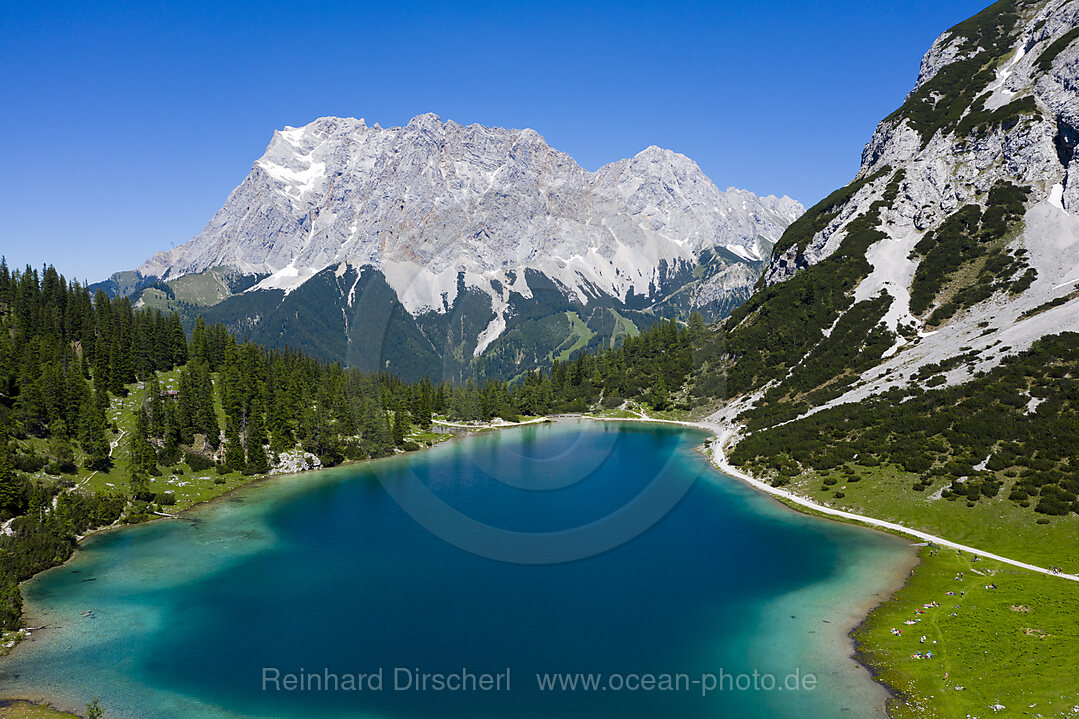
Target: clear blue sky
<point>125,125</point>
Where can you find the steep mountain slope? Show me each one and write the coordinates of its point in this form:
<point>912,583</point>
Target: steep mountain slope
<point>960,228</point>
<point>919,327</point>
<point>463,233</point>
<point>911,354</point>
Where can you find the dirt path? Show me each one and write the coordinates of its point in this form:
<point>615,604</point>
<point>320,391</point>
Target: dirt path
<point>718,456</point>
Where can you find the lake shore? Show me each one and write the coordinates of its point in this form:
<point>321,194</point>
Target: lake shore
<point>840,632</point>
<point>858,617</point>
<point>809,616</point>
<point>914,689</point>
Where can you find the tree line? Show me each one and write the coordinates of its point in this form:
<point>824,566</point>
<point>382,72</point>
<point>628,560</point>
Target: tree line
<point>67,354</point>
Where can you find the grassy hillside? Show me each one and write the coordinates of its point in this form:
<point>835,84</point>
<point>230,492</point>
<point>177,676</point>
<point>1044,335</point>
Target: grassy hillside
<point>992,461</point>
<point>999,637</point>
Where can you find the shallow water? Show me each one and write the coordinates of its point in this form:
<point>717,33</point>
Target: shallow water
<point>349,571</point>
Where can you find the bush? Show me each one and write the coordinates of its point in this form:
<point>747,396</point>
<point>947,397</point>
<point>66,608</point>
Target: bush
<point>197,462</point>
<point>29,463</point>
<point>168,457</point>
<point>409,446</point>
<point>1052,505</point>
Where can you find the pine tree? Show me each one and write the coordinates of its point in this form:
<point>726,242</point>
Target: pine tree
<point>170,453</point>
<point>257,462</point>
<point>177,340</point>
<point>10,605</point>
<point>117,369</point>
<point>421,412</point>
<point>234,448</point>
<point>400,426</point>
<point>198,348</point>
<point>658,396</point>
<point>60,451</point>
<point>101,363</point>
<point>10,487</point>
<point>697,325</point>
<point>143,455</point>
<point>155,407</point>
<point>94,710</point>
<point>140,486</point>
<point>96,444</point>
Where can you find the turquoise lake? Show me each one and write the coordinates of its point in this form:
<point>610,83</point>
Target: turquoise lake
<point>450,560</point>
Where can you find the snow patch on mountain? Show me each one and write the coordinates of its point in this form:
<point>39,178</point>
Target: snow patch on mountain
<point>996,328</point>
<point>429,201</point>
<point>1035,148</point>
<point>893,270</point>
<point>288,278</point>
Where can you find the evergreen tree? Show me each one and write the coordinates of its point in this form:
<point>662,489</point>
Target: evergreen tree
<point>61,454</point>
<point>96,444</point>
<point>400,426</point>
<point>421,409</point>
<point>10,604</point>
<point>143,455</point>
<point>140,486</point>
<point>234,448</point>
<point>257,462</point>
<point>10,487</point>
<point>658,397</point>
<point>94,709</point>
<point>198,347</point>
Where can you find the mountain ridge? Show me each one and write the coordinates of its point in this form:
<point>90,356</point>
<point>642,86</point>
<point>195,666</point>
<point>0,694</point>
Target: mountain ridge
<point>441,210</point>
<point>295,163</point>
<point>991,110</point>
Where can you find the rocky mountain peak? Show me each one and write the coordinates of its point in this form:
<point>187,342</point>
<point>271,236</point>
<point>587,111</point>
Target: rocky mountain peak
<point>441,197</point>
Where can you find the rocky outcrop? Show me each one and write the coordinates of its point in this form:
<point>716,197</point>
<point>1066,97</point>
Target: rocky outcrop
<point>996,104</point>
<point>1029,142</point>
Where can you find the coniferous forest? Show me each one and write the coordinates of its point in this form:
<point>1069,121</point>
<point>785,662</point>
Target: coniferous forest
<point>83,374</point>
<point>72,361</point>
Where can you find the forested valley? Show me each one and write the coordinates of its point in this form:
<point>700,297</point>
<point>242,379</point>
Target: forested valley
<point>106,409</point>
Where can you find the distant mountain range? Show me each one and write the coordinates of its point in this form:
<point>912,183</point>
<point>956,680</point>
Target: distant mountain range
<point>440,249</point>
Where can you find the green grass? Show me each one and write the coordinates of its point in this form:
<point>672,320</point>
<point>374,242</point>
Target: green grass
<point>635,410</point>
<point>189,488</point>
<point>18,709</point>
<point>623,328</point>
<point>203,289</point>
<point>156,299</point>
<point>995,525</point>
<point>1016,645</point>
<point>579,335</point>
<point>421,436</point>
<point>678,415</point>
<point>616,414</point>
<point>200,290</point>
